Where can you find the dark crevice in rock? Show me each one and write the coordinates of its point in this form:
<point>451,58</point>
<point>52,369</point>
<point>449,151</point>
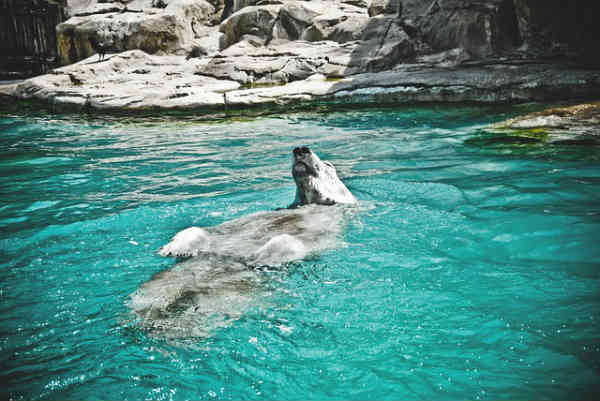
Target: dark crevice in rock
<point>159,4</point>
<point>289,27</point>
<point>269,37</point>
<point>98,12</point>
<point>382,41</point>
<point>204,74</point>
<point>506,32</point>
<point>434,7</point>
<point>228,9</point>
<point>178,95</point>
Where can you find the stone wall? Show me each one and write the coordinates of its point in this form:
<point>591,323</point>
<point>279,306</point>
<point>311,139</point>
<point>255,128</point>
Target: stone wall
<point>538,28</point>
<point>473,29</point>
<point>28,36</point>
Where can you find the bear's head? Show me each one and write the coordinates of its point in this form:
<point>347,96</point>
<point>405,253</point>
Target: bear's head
<point>317,181</point>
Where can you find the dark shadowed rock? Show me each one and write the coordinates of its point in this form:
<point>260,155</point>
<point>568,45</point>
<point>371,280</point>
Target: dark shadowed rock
<point>391,7</point>
<point>357,3</point>
<point>559,28</point>
<point>536,28</point>
<point>480,27</point>
<point>384,44</point>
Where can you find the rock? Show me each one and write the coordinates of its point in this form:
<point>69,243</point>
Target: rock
<point>379,7</point>
<point>311,21</point>
<point>297,69</point>
<point>128,81</point>
<point>577,124</point>
<point>197,50</point>
<point>336,27</point>
<point>384,43</point>
<point>134,80</point>
<point>410,84</point>
<point>280,62</point>
<point>218,15</point>
<point>448,58</point>
<point>555,27</point>
<point>316,21</point>
<point>86,9</point>
<point>481,28</point>
<point>194,12</point>
<point>253,20</point>
<point>295,17</point>
<point>436,50</point>
<point>233,6</point>
<point>208,42</point>
<point>357,3</point>
<point>167,31</point>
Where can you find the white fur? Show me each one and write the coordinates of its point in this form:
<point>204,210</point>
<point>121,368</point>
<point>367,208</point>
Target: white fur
<point>279,249</point>
<point>214,289</point>
<point>188,242</point>
<point>317,181</point>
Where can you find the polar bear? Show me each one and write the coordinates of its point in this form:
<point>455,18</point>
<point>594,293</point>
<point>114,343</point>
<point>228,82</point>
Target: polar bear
<point>218,280</point>
<point>317,182</point>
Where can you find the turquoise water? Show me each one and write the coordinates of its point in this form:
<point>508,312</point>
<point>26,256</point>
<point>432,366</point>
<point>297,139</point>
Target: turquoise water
<point>470,269</point>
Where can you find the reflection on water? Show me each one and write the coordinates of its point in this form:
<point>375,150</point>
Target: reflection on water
<point>469,270</point>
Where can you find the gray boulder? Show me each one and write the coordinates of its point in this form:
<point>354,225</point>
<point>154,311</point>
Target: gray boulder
<point>337,27</point>
<point>257,21</point>
<point>317,20</point>
<point>295,18</point>
<point>383,45</point>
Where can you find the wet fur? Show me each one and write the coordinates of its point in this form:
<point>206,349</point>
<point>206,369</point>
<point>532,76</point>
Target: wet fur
<point>218,281</point>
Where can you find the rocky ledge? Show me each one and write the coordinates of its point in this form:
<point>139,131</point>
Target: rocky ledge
<point>217,54</point>
<point>134,80</point>
<point>572,124</point>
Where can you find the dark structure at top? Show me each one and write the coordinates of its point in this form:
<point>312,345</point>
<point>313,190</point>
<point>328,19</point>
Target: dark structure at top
<point>28,36</point>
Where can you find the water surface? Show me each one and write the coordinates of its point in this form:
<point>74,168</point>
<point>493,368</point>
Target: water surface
<point>470,270</point>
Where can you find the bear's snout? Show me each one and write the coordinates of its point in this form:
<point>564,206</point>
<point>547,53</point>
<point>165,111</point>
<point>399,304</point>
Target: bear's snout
<point>301,150</point>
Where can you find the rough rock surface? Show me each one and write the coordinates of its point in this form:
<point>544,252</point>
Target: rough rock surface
<point>196,53</point>
<point>257,21</point>
<point>393,7</point>
<point>134,80</point>
<point>580,122</point>
<point>115,29</point>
